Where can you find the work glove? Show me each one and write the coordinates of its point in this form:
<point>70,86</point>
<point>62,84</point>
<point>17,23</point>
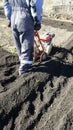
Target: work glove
<point>37,24</point>
<point>9,23</point>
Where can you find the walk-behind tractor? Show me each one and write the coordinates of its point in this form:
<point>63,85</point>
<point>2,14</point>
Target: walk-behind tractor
<point>42,46</point>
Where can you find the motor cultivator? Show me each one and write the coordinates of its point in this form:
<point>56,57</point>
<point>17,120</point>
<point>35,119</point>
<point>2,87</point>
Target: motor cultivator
<point>42,46</point>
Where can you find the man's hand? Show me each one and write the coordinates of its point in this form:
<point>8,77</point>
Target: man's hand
<point>9,23</point>
<point>37,26</point>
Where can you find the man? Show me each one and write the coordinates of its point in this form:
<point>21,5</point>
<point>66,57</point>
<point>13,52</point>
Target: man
<point>23,18</point>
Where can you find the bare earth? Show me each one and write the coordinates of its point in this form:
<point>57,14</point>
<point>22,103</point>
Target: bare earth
<point>43,98</point>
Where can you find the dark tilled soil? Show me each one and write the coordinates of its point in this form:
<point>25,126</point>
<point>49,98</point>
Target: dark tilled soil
<point>41,99</point>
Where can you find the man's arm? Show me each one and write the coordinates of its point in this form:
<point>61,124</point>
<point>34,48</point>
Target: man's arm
<point>32,8</point>
<point>7,9</point>
<point>37,24</point>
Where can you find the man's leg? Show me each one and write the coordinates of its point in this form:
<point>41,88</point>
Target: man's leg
<point>27,45</point>
<point>17,41</point>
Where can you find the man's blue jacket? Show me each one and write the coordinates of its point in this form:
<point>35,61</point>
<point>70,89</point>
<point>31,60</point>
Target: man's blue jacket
<point>38,4</point>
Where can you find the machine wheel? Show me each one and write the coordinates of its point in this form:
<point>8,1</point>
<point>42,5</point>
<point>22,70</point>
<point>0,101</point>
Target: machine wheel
<point>43,57</point>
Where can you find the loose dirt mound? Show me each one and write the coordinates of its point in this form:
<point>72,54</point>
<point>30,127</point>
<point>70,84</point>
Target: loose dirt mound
<point>41,99</point>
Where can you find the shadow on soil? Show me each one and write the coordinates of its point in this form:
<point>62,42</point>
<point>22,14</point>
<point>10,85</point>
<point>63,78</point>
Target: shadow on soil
<point>57,63</point>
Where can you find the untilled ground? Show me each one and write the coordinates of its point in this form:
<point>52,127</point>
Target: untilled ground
<point>43,98</point>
